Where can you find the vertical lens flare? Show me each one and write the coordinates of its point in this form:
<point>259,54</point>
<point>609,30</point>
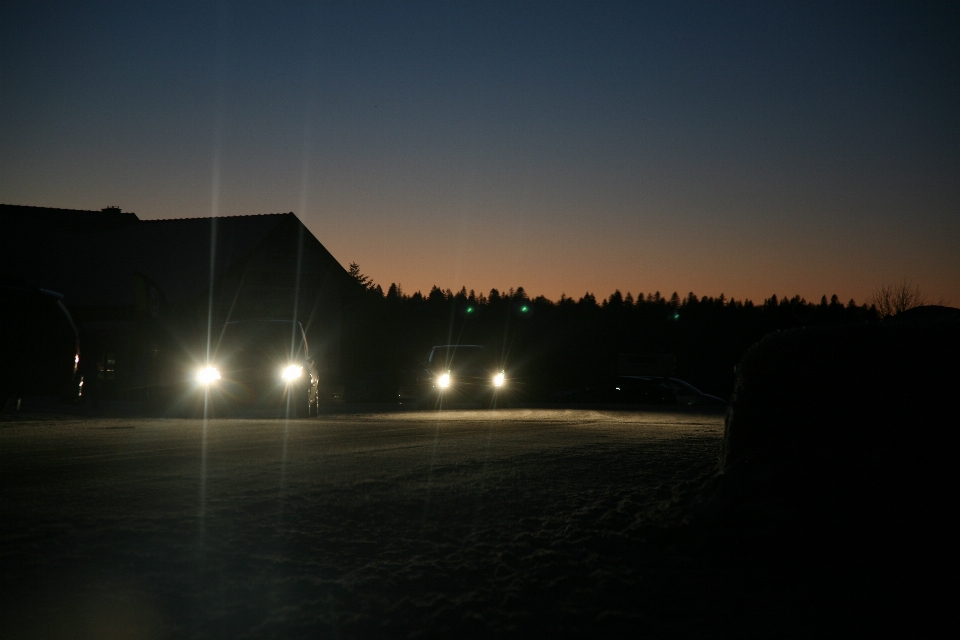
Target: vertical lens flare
<point>444,381</point>
<point>498,380</point>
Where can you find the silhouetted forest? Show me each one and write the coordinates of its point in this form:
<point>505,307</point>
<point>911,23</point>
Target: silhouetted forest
<point>549,347</point>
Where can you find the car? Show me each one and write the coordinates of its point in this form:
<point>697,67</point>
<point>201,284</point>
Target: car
<point>620,390</point>
<point>262,365</point>
<point>654,390</point>
<point>687,394</point>
<point>462,373</point>
<point>39,345</point>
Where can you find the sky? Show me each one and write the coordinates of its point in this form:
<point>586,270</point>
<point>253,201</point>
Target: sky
<point>741,148</point>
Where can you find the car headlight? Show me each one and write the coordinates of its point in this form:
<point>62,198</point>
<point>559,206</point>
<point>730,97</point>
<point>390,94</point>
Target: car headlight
<point>292,373</point>
<point>208,375</point>
<point>498,380</point>
<point>444,381</point>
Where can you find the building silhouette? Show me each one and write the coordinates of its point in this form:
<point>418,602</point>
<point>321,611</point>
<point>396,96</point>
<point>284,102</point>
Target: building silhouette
<point>145,292</point>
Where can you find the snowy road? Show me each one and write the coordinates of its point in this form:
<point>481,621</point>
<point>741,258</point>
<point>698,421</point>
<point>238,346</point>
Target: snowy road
<point>392,525</point>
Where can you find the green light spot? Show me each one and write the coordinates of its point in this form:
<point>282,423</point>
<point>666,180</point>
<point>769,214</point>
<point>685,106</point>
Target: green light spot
<point>469,309</point>
<point>523,308</point>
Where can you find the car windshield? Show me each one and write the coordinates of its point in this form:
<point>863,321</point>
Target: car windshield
<point>678,386</point>
<point>264,336</point>
<point>683,387</point>
<point>463,357</point>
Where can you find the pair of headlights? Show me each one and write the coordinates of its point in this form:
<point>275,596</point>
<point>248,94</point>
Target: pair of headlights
<point>209,375</point>
<point>444,380</point>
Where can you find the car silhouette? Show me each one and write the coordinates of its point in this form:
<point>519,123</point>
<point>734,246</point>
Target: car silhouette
<point>687,394</point>
<point>39,345</point>
<point>653,390</point>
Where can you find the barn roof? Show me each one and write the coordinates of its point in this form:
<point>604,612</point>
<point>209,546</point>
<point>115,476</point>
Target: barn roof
<point>92,259</point>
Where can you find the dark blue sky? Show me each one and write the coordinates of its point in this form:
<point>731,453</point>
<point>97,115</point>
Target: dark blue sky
<point>743,148</point>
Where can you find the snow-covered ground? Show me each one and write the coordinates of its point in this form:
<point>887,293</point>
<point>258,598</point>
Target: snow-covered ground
<point>394,525</point>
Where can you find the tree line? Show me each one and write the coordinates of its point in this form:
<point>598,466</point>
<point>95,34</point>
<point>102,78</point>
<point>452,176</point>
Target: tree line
<point>548,347</point>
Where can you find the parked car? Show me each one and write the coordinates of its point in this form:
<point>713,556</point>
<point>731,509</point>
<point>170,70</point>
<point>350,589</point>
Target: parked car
<point>620,390</point>
<point>687,394</point>
<point>39,345</point>
<point>655,390</point>
<point>261,364</point>
<point>462,373</point>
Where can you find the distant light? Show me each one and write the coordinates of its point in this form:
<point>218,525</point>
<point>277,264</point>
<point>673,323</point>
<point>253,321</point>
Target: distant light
<point>498,380</point>
<point>469,309</point>
<point>292,373</point>
<point>76,359</point>
<point>524,308</point>
<point>444,381</point>
<point>676,316</point>
<point>208,375</point>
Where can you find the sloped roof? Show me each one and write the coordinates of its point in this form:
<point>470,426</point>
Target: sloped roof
<point>51,221</point>
<point>98,268</point>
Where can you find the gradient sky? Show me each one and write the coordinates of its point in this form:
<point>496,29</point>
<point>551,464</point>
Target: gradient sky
<point>742,148</point>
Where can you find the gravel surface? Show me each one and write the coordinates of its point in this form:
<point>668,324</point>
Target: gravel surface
<point>392,525</point>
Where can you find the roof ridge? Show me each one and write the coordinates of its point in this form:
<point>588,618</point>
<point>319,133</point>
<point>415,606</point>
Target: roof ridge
<point>34,206</point>
<point>248,215</point>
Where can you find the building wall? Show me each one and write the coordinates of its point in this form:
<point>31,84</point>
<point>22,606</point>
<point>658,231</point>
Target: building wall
<point>288,276</point>
<point>140,290</point>
<point>137,351</point>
